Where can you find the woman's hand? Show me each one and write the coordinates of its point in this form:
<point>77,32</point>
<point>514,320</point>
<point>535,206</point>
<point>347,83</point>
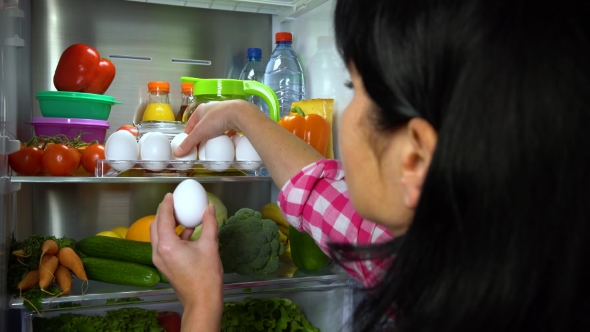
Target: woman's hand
<point>283,153</point>
<point>211,120</point>
<point>193,268</point>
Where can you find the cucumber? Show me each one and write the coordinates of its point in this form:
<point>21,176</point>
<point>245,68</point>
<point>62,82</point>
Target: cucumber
<point>163,277</point>
<point>117,249</point>
<point>120,273</point>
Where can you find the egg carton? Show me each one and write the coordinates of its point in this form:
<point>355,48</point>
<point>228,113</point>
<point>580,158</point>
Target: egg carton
<point>178,168</point>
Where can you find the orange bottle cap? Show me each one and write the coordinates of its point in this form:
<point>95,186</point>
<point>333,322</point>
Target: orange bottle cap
<point>284,37</point>
<point>187,87</point>
<point>159,86</point>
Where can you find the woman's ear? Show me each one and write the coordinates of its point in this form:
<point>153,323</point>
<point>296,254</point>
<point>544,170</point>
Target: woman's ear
<point>416,156</point>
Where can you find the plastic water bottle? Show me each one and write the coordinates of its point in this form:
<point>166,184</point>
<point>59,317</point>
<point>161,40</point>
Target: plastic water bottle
<point>325,71</point>
<point>254,70</point>
<point>284,73</point>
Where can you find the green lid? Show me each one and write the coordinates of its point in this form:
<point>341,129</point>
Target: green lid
<point>76,95</point>
<point>216,86</point>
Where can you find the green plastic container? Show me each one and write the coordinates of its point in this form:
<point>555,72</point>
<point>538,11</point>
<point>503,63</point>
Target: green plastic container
<point>78,105</point>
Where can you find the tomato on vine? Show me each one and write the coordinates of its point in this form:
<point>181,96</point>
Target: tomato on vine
<point>90,155</point>
<point>27,160</point>
<point>60,160</point>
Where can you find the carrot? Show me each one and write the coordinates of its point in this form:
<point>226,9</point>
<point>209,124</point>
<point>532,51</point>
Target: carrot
<point>63,277</point>
<point>30,280</point>
<point>47,268</point>
<point>20,254</point>
<point>48,247</point>
<point>68,258</point>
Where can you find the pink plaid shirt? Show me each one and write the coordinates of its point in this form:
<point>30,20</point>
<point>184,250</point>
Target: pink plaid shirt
<point>316,201</point>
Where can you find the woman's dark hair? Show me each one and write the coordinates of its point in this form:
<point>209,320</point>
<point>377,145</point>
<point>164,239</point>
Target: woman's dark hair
<point>500,238</point>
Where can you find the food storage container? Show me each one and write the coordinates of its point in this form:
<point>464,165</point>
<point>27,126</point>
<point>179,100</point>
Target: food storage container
<point>78,105</point>
<point>90,130</point>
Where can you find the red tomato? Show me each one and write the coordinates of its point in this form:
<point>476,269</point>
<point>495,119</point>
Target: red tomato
<point>130,128</point>
<point>60,160</point>
<point>77,154</point>
<point>90,155</point>
<point>103,79</point>
<point>76,68</point>
<point>169,321</point>
<point>27,160</point>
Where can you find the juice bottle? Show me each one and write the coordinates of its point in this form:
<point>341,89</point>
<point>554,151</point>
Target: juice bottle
<point>158,107</point>
<point>187,99</point>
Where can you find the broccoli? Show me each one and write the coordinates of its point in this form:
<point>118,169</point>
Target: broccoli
<point>249,244</point>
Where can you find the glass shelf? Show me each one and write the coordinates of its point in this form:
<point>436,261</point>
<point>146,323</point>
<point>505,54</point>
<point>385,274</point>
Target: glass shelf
<point>201,171</point>
<point>234,285</point>
<point>284,9</point>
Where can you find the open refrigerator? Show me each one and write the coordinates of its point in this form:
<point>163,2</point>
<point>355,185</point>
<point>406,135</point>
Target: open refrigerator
<point>147,40</point>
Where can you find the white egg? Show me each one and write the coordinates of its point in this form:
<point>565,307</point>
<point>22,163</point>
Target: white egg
<point>220,149</point>
<point>202,146</point>
<point>190,202</point>
<point>142,139</point>
<point>156,147</point>
<point>246,155</point>
<point>192,155</point>
<point>235,138</point>
<point>121,145</point>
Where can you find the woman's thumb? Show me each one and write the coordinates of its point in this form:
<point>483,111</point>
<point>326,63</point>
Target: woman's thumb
<point>209,223</point>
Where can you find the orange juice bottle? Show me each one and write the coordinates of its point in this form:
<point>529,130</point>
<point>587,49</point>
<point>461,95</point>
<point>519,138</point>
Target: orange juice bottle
<point>158,107</point>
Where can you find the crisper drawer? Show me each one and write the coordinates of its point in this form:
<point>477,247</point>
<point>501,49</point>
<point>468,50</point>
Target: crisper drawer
<point>327,301</point>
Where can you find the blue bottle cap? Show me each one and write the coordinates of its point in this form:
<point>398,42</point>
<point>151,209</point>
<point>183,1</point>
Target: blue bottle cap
<point>255,53</point>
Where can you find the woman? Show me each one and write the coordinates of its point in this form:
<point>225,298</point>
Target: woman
<point>466,139</point>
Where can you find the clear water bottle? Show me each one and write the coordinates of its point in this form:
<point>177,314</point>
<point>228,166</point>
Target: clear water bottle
<point>284,74</point>
<point>326,71</point>
<point>254,71</point>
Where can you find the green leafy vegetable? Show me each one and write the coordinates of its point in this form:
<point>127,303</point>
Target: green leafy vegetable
<point>124,300</point>
<point>270,314</point>
<point>125,319</point>
<point>69,305</point>
<point>249,244</point>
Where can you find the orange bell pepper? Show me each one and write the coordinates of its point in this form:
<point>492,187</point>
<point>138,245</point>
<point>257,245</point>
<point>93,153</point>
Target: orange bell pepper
<point>312,128</point>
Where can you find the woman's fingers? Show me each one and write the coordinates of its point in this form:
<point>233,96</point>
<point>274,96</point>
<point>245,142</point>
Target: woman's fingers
<point>195,136</point>
<point>186,234</point>
<point>166,223</point>
<point>209,224</point>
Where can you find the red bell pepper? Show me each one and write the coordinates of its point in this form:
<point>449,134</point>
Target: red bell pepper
<point>169,320</point>
<point>80,69</point>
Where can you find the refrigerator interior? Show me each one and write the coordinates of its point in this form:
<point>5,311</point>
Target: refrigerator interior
<point>146,40</point>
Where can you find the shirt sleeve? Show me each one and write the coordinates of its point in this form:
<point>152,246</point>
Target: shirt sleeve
<point>316,201</point>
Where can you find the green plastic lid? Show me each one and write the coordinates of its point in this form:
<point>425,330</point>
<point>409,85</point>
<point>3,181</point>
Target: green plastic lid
<point>216,86</point>
<point>76,95</point>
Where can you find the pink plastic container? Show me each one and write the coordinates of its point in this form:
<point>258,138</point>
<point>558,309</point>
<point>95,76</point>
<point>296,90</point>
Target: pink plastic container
<point>91,130</point>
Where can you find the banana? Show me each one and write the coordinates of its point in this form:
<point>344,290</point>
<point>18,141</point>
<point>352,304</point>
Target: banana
<point>271,211</point>
<point>283,238</point>
<point>286,256</point>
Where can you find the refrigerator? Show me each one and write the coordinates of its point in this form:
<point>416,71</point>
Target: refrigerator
<point>150,40</point>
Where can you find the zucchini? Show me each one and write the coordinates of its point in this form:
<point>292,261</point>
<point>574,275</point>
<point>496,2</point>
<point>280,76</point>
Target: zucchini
<point>117,249</point>
<point>121,273</point>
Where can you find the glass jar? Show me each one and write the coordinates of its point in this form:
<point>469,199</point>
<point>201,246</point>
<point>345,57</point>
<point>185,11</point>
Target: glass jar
<point>187,99</point>
<point>158,107</point>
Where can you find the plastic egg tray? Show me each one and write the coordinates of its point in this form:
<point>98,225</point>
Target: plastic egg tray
<point>179,168</point>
